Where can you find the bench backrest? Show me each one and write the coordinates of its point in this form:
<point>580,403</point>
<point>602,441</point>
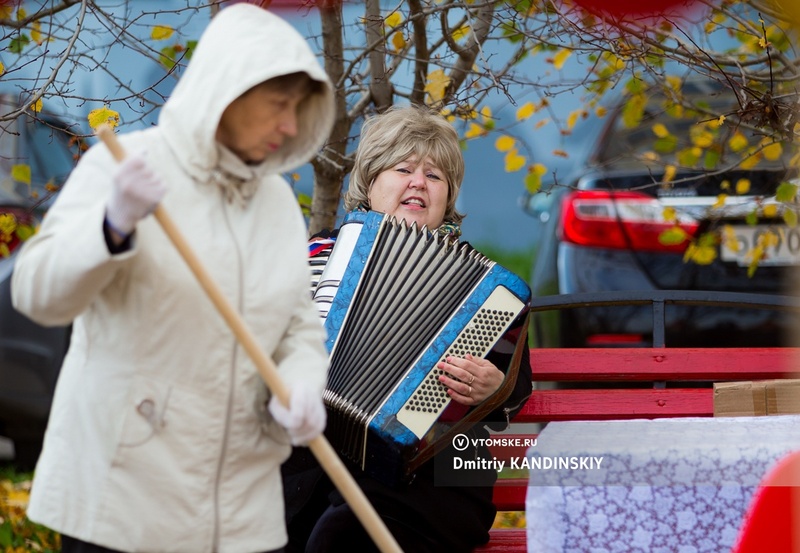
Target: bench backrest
<point>628,383</point>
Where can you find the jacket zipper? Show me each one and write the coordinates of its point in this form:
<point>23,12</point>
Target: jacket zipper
<point>234,357</point>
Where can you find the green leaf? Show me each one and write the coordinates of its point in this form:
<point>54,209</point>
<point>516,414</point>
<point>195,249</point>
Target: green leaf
<point>533,182</point>
<point>24,232</point>
<point>707,240</point>
<point>18,44</point>
<point>786,192</point>
<point>6,535</point>
<point>711,159</point>
<point>673,236</point>
<point>687,157</point>
<point>633,111</point>
<point>304,200</point>
<point>168,57</point>
<point>752,218</point>
<point>790,217</point>
<point>666,145</point>
<point>190,46</point>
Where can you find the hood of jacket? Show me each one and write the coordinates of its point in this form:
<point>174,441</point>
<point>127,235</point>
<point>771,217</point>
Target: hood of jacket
<point>243,45</point>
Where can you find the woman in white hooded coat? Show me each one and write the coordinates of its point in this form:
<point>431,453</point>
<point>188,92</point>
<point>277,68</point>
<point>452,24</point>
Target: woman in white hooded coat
<point>159,438</point>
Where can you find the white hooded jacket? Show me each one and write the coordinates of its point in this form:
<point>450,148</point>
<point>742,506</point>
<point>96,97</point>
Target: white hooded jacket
<point>158,438</point>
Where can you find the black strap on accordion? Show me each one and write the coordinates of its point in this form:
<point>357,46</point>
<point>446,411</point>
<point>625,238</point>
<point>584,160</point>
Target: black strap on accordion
<point>480,411</point>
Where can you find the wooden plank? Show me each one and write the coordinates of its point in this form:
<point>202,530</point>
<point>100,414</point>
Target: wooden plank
<point>505,540</point>
<point>650,364</point>
<point>509,494</point>
<point>567,405</point>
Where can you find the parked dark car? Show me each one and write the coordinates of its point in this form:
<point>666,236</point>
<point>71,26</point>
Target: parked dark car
<point>30,355</point>
<point>602,230</point>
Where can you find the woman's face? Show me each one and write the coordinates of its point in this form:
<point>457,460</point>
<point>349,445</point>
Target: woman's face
<point>256,124</point>
<point>412,190</point>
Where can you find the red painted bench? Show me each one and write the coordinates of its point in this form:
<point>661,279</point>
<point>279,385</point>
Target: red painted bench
<point>618,369</point>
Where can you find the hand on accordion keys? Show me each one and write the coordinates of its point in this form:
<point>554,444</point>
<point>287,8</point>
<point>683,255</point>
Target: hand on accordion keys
<point>470,380</point>
<point>305,417</point>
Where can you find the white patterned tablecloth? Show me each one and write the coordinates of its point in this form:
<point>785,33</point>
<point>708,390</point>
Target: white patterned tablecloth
<point>661,486</point>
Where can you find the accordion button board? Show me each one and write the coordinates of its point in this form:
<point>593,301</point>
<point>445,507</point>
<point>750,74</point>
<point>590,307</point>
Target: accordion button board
<point>478,338</point>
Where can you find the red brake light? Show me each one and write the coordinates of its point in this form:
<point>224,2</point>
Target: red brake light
<point>619,220</point>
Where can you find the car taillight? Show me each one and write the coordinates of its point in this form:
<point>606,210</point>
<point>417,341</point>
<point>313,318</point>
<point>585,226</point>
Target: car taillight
<point>620,220</point>
<point>10,219</point>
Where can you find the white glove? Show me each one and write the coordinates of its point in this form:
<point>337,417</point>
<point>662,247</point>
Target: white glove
<point>305,417</point>
<point>136,192</point>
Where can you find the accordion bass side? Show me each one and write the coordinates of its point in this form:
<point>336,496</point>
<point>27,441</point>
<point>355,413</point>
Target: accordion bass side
<point>396,300</point>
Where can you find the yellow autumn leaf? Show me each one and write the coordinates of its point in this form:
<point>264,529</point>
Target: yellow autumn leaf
<point>729,238</point>
<point>36,32</point>
<point>461,32</point>
<point>474,131</point>
<point>700,254</point>
<point>8,224</point>
<point>669,214</point>
<point>398,41</point>
<point>768,239</point>
<point>720,201</point>
<point>561,57</point>
<point>504,143</point>
<point>36,107</point>
<point>650,156</point>
<point>573,118</point>
<point>701,138</point>
<point>436,85</point>
<point>560,153</point>
<point>738,142</point>
<point>674,82</point>
<point>161,32</point>
<point>525,111</point>
<point>21,173</point>
<point>750,161</point>
<point>6,11</point>
<point>533,180</point>
<point>669,173</point>
<point>542,123</point>
<point>725,184</point>
<point>103,115</point>
<point>486,113</point>
<point>770,210</point>
<point>2,68</point>
<point>742,186</point>
<point>514,161</point>
<point>392,20</point>
<point>721,120</point>
<point>601,111</point>
<point>773,151</point>
<point>660,130</point>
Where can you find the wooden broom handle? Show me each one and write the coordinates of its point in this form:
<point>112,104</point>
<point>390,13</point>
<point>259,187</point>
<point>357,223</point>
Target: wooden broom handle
<point>320,446</point>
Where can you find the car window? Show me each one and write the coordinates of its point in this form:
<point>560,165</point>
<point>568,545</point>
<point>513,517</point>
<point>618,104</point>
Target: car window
<point>49,151</point>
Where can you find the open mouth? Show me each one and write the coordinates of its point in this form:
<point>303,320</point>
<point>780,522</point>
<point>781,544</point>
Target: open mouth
<point>413,202</point>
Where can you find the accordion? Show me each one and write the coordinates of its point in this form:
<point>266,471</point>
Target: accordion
<point>395,301</point>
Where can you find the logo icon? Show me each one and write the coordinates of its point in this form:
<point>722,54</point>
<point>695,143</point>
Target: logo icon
<point>460,442</point>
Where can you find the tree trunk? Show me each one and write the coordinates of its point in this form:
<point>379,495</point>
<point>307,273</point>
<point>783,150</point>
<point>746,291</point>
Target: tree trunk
<point>331,166</point>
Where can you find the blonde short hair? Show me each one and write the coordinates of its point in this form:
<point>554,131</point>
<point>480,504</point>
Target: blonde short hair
<point>398,134</point>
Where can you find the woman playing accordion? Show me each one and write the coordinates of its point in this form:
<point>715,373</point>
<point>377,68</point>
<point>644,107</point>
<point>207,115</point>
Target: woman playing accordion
<point>409,167</point>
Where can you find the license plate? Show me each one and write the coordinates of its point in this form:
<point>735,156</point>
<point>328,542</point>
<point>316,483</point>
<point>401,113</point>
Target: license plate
<point>784,251</point>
